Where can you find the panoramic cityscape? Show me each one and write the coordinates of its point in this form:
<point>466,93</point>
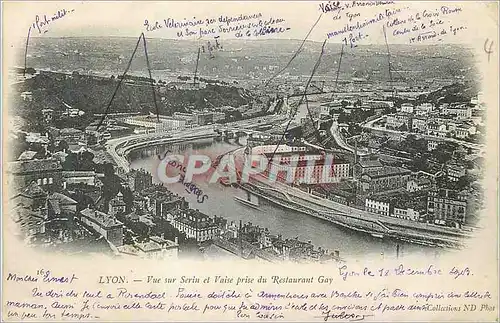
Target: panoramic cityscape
<point>325,155</point>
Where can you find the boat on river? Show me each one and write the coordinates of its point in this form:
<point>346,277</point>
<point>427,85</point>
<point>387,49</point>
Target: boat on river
<point>247,202</point>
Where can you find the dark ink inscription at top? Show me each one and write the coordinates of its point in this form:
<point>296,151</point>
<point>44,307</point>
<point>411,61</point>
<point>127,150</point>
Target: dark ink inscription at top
<point>43,22</point>
<point>329,6</point>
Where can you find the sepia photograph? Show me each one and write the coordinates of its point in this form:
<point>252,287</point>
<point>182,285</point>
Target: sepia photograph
<point>260,133</point>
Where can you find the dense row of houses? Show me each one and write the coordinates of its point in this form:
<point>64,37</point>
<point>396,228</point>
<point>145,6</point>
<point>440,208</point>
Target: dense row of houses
<point>457,120</point>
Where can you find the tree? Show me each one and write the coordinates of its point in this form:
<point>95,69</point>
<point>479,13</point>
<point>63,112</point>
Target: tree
<point>419,163</point>
<point>127,238</point>
<point>91,140</point>
<point>441,156</point>
<point>108,169</point>
<point>128,197</point>
<point>62,146</point>
<point>464,182</point>
<point>86,161</point>
<point>343,117</point>
<point>71,162</point>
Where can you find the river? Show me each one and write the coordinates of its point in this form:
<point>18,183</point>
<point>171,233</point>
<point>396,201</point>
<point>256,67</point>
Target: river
<point>291,224</point>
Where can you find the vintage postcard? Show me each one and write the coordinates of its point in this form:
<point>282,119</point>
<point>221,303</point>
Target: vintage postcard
<point>209,161</point>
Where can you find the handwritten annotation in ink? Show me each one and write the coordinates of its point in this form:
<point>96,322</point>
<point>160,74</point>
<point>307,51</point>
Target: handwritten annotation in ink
<point>255,297</point>
<point>253,25</point>
<point>190,187</point>
<point>430,24</point>
<point>42,23</point>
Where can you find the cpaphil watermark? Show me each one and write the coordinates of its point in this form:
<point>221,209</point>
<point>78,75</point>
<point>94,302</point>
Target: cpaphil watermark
<point>293,169</point>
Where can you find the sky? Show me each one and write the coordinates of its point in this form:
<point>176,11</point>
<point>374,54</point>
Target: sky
<point>127,18</point>
<point>471,24</point>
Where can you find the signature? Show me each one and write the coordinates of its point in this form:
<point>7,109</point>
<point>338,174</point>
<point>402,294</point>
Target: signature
<point>344,316</point>
<point>191,188</point>
<point>42,22</point>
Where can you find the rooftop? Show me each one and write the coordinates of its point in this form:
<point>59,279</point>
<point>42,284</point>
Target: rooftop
<point>386,171</point>
<point>69,131</point>
<point>149,246</point>
<point>162,241</point>
<point>33,190</point>
<point>35,165</point>
<point>27,155</point>
<point>128,249</point>
<point>102,219</point>
<point>365,163</point>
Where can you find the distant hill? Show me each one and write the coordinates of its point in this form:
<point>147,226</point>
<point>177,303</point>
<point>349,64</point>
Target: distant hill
<point>93,94</point>
<point>243,58</point>
<point>457,92</point>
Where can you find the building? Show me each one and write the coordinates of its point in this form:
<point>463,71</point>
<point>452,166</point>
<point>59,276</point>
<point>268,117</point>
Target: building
<point>29,211</point>
<point>464,131</point>
<point>454,171</point>
<point>32,196</point>
<point>60,205</point>
<point>48,114</point>
<point>346,197</point>
<point>384,179</point>
<point>195,225</point>
<point>104,224</point>
<point>319,110</point>
<point>317,173</point>
<point>398,120</point>
<point>478,117</point>
<point>308,168</point>
<point>27,96</point>
<point>478,99</point>
<point>158,123</point>
<point>418,184</point>
<point>161,202</point>
<point>447,207</point>
<point>47,173</point>
<point>219,116</point>
<point>139,180</point>
<point>37,138</point>
<point>424,109</point>
<point>407,108</point>
<point>431,145</point>
<point>406,213</point>
<point>367,164</point>
<point>419,125</point>
<point>379,207</point>
<point>281,149</point>
<point>156,248</point>
<point>399,205</point>
<point>437,129</point>
<point>117,205</point>
<point>188,117</point>
<point>87,177</point>
<point>203,118</point>
<point>70,135</point>
<point>27,155</point>
<point>183,86</point>
<point>459,111</point>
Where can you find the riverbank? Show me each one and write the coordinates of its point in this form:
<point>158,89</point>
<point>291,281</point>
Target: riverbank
<point>357,222</point>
